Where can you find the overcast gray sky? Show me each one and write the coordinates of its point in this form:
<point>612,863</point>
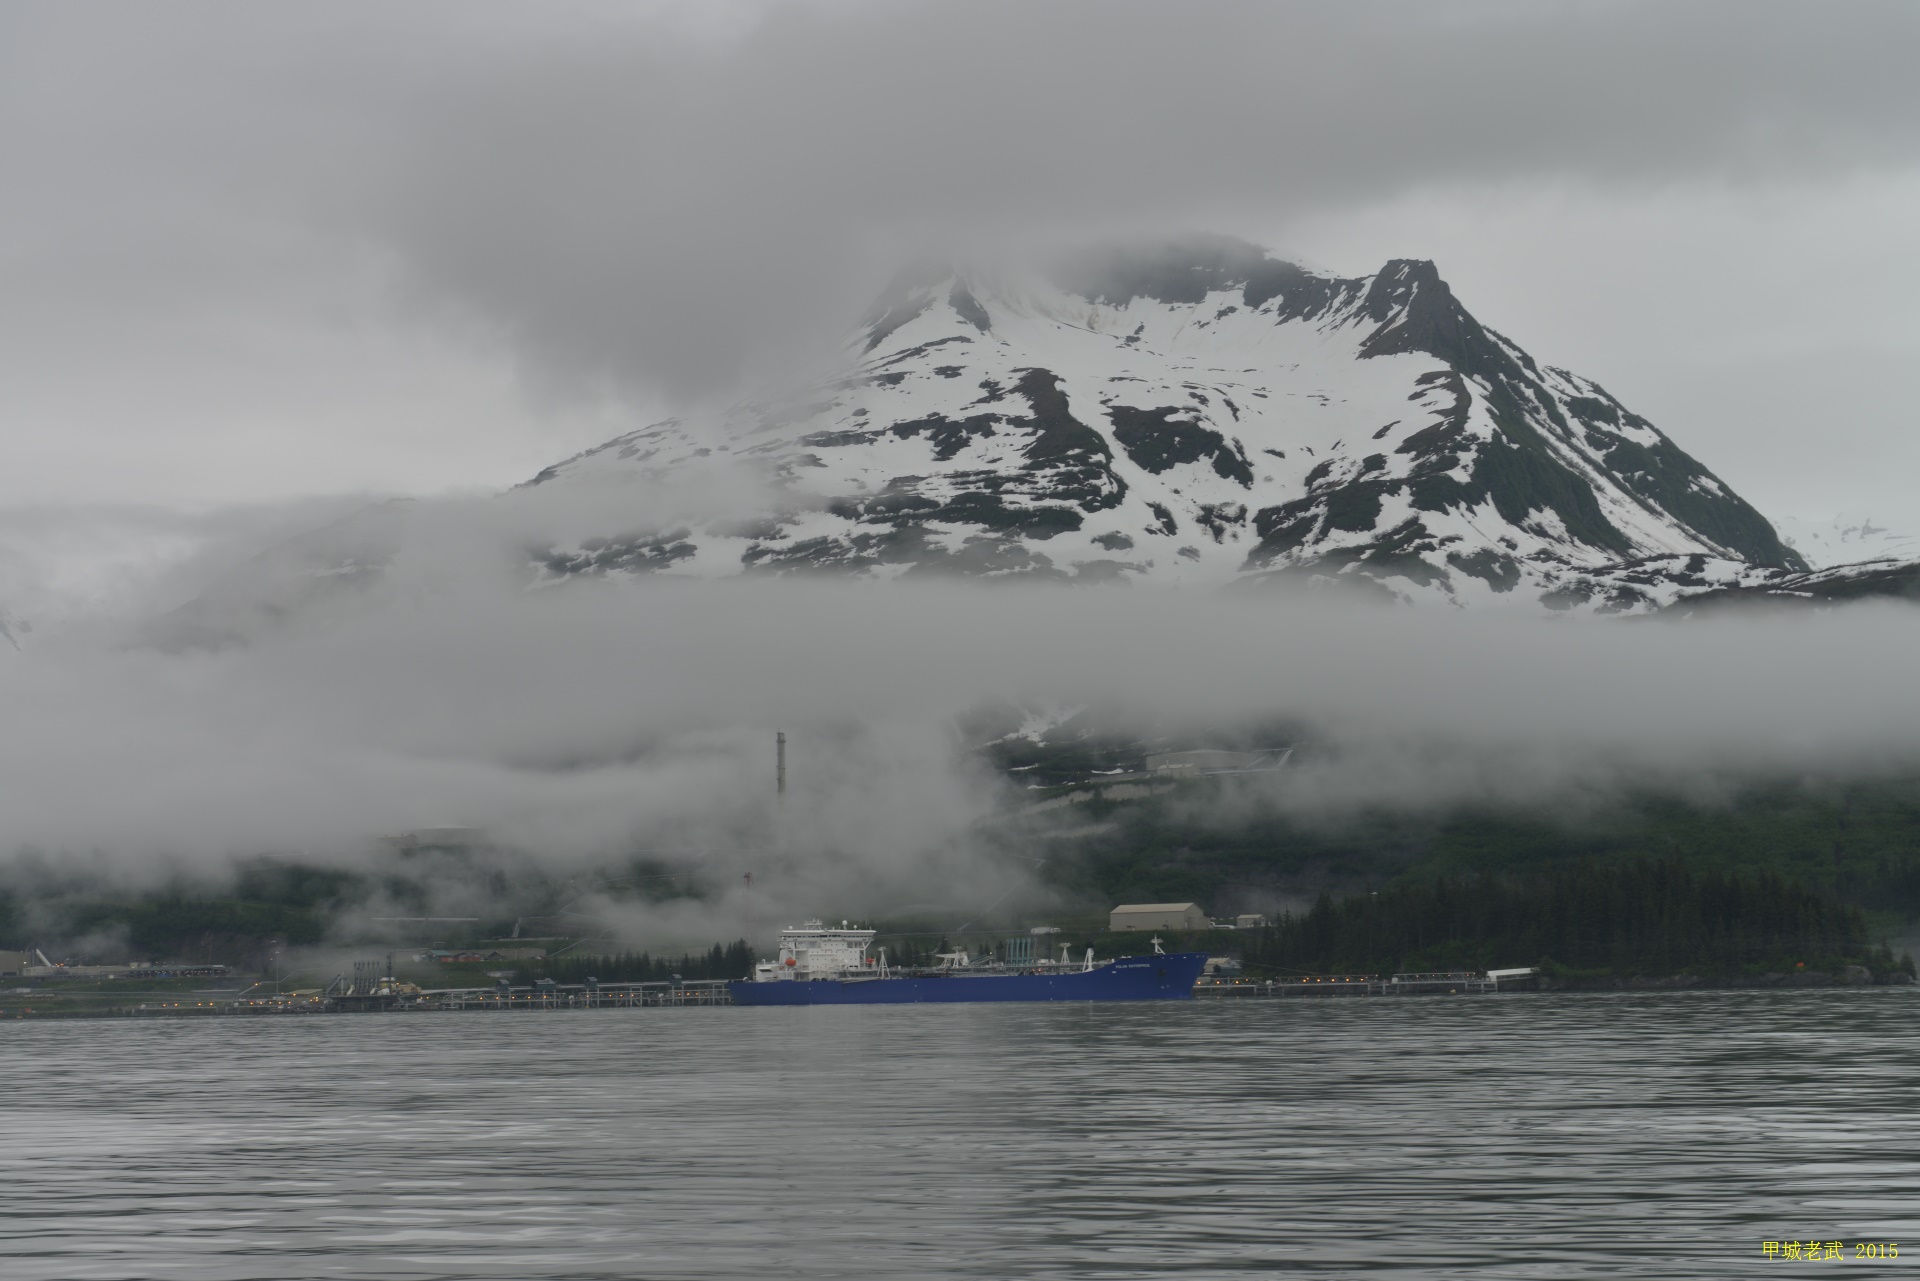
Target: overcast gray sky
<point>255,252</point>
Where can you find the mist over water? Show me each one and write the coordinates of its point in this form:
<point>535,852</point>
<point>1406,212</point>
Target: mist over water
<point>1647,1135</point>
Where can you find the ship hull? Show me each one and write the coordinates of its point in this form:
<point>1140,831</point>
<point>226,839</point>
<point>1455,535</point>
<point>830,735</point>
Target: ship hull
<point>1131,978</point>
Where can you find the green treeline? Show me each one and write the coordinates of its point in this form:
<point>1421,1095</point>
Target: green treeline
<point>1644,917</point>
<point>1857,842</point>
<point>172,924</point>
<point>734,961</point>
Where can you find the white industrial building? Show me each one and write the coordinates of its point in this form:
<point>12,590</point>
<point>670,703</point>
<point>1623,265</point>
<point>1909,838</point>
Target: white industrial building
<point>1158,916</point>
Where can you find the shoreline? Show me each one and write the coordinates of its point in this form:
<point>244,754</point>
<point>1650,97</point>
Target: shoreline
<point>1807,982</point>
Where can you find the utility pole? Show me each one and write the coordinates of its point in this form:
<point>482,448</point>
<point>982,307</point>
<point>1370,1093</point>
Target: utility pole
<point>747,897</point>
<point>779,791</point>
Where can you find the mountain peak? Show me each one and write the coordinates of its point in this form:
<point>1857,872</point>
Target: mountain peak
<point>1194,409</point>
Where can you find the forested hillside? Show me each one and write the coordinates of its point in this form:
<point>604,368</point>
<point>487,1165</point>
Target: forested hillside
<point>1637,918</point>
<point>1223,843</point>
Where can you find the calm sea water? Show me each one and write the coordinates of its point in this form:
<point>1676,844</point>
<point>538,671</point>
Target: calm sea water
<point>1658,1135</point>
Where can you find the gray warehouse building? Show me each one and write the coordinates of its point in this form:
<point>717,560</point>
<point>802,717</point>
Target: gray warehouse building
<point>1158,916</point>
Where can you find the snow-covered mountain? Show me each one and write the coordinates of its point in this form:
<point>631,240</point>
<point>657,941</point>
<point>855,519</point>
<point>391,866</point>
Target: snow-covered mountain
<point>1201,413</point>
<point>1846,540</point>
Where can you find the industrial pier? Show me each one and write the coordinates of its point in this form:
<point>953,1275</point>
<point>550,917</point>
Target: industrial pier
<point>386,995</point>
<point>571,996</point>
<point>1431,983</point>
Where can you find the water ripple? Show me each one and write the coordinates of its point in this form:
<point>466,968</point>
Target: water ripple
<point>1632,1135</point>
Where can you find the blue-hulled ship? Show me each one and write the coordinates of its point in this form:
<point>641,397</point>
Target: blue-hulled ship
<point>820,965</point>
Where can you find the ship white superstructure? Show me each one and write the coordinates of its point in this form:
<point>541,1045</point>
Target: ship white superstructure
<point>817,951</point>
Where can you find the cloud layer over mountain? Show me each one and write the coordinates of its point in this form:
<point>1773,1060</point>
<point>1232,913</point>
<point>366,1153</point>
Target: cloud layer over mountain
<point>597,718</point>
<point>312,235</point>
